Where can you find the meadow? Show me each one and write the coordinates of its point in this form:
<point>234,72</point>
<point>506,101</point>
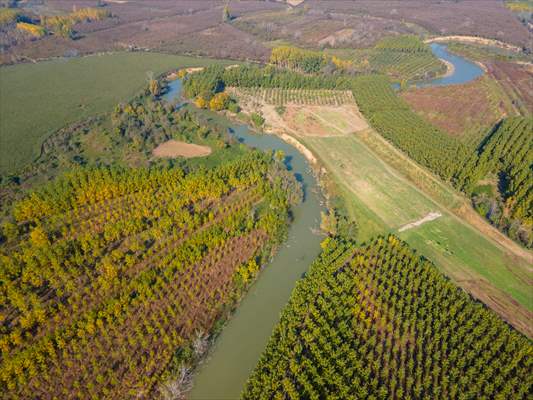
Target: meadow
<point>38,99</point>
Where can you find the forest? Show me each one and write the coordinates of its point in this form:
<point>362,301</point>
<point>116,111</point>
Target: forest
<point>99,260</point>
<point>378,321</point>
<point>504,161</point>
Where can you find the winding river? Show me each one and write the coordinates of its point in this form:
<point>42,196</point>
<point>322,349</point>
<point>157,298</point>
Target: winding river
<point>240,344</point>
<point>464,71</point>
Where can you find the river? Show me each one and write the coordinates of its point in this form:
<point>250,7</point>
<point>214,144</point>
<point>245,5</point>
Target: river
<point>464,70</point>
<point>238,347</point>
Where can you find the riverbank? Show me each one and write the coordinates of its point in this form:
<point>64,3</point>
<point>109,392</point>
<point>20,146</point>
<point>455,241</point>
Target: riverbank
<point>473,39</point>
<point>450,68</point>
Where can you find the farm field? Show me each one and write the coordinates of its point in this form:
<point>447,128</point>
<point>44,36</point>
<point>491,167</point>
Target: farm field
<point>377,321</point>
<point>385,191</point>
<point>114,277</point>
<point>38,99</point>
<point>467,111</point>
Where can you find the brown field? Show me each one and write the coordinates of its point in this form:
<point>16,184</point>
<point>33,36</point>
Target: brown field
<point>153,25</point>
<point>174,148</point>
<point>317,120</point>
<point>486,18</point>
<point>461,110</point>
<point>316,28</point>
<point>517,82</point>
<point>195,26</point>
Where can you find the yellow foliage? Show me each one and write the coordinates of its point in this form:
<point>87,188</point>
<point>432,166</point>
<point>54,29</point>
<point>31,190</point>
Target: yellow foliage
<point>8,15</point>
<point>39,237</point>
<point>219,102</point>
<point>344,65</point>
<point>182,73</point>
<point>34,30</point>
<point>200,102</point>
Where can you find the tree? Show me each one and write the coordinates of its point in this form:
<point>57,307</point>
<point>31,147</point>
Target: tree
<point>200,102</point>
<point>153,85</point>
<point>219,101</point>
<point>226,16</point>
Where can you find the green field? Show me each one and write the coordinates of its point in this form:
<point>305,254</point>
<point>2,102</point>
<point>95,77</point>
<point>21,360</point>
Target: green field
<point>383,198</point>
<point>37,99</point>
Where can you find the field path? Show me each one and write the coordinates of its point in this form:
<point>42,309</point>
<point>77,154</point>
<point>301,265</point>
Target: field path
<point>430,217</point>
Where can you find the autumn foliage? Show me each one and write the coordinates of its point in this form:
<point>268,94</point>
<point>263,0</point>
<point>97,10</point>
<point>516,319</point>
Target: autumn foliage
<point>108,273</point>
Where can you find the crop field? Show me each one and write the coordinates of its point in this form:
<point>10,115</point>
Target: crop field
<point>282,97</point>
<point>402,58</point>
<point>38,99</point>
<point>485,18</point>
<point>109,273</point>
<point>380,321</point>
<point>384,191</point>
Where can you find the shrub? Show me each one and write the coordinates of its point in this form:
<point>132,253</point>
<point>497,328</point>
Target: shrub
<point>34,30</point>
<point>257,119</point>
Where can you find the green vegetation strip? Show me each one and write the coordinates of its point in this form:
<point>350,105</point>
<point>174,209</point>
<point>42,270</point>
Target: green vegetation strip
<point>37,99</point>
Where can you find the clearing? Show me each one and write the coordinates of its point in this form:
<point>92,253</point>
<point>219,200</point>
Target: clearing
<point>175,148</point>
<point>38,99</point>
<point>385,191</point>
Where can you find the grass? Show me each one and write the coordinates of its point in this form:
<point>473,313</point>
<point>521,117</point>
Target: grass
<point>376,182</point>
<point>464,254</point>
<point>38,99</point>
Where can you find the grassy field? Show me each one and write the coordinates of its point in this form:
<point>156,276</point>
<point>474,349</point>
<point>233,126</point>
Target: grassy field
<point>382,199</point>
<point>37,99</point>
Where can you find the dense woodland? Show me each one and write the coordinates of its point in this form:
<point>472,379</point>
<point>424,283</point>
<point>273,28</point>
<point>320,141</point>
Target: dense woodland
<point>506,155</point>
<point>380,322</point>
<point>109,274</point>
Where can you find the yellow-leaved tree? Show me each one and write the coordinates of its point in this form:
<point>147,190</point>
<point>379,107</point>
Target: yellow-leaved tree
<point>219,102</point>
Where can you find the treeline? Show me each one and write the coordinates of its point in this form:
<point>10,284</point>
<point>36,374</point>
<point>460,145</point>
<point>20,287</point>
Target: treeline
<point>403,43</point>
<point>62,25</point>
<point>380,322</point>
<point>507,155</point>
<point>111,276</point>
<point>307,61</point>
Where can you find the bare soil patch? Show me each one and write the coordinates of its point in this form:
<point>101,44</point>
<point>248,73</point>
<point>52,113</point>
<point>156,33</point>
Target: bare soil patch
<point>174,148</point>
<point>474,39</point>
<point>430,217</point>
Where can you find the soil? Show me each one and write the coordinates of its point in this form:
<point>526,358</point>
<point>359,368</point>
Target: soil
<point>430,217</point>
<point>174,148</point>
<point>474,39</point>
